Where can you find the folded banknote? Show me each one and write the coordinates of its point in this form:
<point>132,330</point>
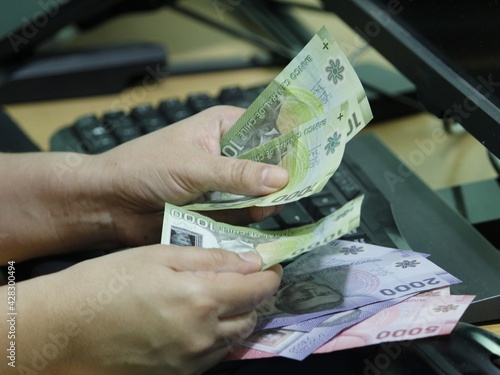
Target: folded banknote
<point>184,227</point>
<point>301,121</point>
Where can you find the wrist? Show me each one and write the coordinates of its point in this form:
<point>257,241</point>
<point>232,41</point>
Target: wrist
<point>39,332</point>
<point>52,203</point>
<point>81,206</point>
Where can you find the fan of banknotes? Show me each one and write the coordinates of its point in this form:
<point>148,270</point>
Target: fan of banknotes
<point>347,294</point>
<point>334,294</point>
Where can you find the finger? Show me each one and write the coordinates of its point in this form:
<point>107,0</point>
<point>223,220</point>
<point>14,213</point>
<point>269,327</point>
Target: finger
<point>214,260</point>
<point>238,176</point>
<point>228,115</point>
<point>233,330</point>
<point>238,294</point>
<point>261,213</point>
<point>244,216</point>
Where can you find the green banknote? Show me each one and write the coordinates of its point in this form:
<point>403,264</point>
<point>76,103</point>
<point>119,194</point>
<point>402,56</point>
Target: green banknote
<point>186,228</point>
<point>301,122</point>
<point>317,80</point>
<point>311,153</point>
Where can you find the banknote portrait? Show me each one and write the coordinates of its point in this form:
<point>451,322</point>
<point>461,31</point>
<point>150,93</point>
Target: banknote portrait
<point>184,237</point>
<point>307,295</point>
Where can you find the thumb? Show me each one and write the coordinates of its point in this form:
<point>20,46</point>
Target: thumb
<point>245,177</point>
<point>180,258</point>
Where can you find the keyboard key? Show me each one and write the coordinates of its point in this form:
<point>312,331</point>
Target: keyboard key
<point>143,111</point>
<point>86,124</point>
<point>346,184</point>
<point>357,235</point>
<point>232,95</point>
<point>113,115</point>
<point>124,129</point>
<point>269,224</point>
<point>199,102</point>
<point>173,110</point>
<point>95,138</point>
<point>325,211</point>
<point>152,124</point>
<point>293,215</point>
<point>321,204</point>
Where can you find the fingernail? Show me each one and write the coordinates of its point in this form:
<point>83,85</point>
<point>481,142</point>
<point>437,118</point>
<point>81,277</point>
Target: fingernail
<point>251,257</point>
<point>274,177</point>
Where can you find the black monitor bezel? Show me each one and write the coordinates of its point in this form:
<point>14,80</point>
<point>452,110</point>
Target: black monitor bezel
<point>440,86</point>
<point>40,26</point>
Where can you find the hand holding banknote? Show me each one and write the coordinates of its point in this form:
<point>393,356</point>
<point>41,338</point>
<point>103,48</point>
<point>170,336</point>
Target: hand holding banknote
<point>301,121</point>
<point>149,310</point>
<point>186,228</point>
<point>192,166</point>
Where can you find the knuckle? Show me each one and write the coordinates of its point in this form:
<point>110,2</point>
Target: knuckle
<point>242,171</point>
<point>222,257</point>
<point>218,256</point>
<point>249,325</point>
<point>200,344</point>
<point>202,304</point>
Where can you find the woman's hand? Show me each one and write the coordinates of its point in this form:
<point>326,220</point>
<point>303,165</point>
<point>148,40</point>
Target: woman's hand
<point>152,310</point>
<point>60,202</point>
<point>177,165</point>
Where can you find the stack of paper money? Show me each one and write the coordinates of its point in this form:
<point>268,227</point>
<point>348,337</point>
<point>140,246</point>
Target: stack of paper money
<point>334,294</point>
<point>347,294</point>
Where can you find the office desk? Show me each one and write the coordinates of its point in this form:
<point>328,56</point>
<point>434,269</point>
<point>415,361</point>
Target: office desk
<point>453,161</point>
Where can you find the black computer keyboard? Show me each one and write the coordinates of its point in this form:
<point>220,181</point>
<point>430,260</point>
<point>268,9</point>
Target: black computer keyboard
<point>398,210</point>
<point>93,135</point>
